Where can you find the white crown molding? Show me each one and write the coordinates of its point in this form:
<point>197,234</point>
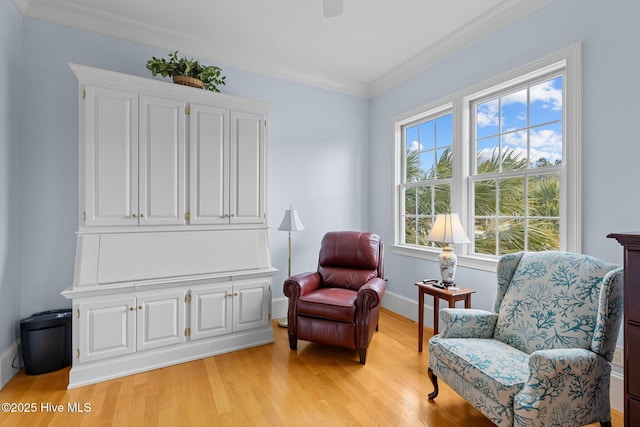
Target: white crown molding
<point>89,20</point>
<point>75,16</point>
<point>499,17</point>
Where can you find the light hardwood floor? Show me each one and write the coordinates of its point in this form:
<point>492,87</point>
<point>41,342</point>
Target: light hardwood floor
<point>262,386</point>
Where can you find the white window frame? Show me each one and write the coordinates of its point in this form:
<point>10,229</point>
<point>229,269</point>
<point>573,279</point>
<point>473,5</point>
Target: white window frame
<point>569,60</point>
<point>441,111</point>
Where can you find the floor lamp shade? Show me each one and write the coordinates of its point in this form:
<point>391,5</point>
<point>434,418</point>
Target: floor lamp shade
<point>448,229</point>
<point>291,221</point>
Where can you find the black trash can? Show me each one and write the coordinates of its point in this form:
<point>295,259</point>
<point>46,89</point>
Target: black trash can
<point>46,341</point>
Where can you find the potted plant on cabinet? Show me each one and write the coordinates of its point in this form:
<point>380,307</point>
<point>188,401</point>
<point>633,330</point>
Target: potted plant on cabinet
<point>187,72</point>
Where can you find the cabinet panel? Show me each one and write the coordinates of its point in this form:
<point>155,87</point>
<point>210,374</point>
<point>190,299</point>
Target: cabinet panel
<point>110,156</point>
<point>250,305</point>
<point>247,167</point>
<point>632,413</point>
<point>160,320</point>
<point>106,329</point>
<point>632,287</point>
<point>632,348</point>
<point>211,311</point>
<point>209,154</point>
<point>162,161</point>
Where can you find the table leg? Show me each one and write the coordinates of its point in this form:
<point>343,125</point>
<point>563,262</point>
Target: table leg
<point>467,301</point>
<point>420,317</point>
<point>436,314</point>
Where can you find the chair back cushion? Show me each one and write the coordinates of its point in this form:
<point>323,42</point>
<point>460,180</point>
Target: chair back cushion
<point>551,301</point>
<point>349,259</point>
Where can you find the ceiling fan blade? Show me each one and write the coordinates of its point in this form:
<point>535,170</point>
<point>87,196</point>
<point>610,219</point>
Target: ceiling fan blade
<point>332,8</point>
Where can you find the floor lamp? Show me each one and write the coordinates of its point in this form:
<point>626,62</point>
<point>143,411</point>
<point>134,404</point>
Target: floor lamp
<point>290,222</point>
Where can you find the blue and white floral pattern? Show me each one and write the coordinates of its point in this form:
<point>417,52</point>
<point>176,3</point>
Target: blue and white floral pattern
<point>542,359</point>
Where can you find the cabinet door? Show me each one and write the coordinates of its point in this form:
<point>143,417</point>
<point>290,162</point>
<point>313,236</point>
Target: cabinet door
<point>251,304</point>
<point>161,161</point>
<point>109,157</point>
<point>211,311</point>
<point>247,168</point>
<point>160,320</point>
<point>106,329</point>
<point>209,164</point>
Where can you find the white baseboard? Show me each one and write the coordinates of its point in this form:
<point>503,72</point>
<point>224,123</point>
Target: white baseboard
<point>7,357</point>
<point>616,392</point>
<point>279,307</point>
<point>408,308</point>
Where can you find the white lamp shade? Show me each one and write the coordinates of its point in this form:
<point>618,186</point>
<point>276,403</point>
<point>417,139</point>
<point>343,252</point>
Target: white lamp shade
<point>448,229</point>
<point>291,221</point>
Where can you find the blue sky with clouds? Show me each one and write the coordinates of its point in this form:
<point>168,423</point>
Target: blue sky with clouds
<point>528,121</point>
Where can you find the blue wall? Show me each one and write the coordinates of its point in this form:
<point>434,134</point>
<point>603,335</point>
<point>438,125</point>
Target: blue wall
<point>10,120</point>
<point>610,130</point>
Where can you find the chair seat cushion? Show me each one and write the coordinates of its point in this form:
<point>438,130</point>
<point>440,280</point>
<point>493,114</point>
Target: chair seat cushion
<point>329,303</point>
<point>492,366</point>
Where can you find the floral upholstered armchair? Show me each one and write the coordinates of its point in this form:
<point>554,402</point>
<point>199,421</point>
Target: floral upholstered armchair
<point>542,357</point>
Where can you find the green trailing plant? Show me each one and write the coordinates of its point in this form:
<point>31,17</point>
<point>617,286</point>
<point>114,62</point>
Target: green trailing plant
<point>210,75</point>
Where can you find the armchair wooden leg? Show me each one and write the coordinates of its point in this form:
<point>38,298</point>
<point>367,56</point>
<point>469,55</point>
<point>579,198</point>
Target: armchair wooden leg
<point>362,352</point>
<point>434,380</point>
<point>293,342</point>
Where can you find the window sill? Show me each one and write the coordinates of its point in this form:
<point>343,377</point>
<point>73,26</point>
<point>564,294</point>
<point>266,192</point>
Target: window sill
<point>468,261</point>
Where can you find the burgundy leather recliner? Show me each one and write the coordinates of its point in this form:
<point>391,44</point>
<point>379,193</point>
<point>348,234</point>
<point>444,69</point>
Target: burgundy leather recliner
<point>340,303</point>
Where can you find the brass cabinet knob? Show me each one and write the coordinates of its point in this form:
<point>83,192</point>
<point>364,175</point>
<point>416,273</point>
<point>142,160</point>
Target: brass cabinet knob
<point>135,216</point>
<point>141,215</point>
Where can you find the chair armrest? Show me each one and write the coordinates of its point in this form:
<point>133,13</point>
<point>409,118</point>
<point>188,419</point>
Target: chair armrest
<point>294,287</point>
<point>561,375</point>
<point>467,323</point>
<point>370,294</point>
<point>547,364</point>
<point>301,284</point>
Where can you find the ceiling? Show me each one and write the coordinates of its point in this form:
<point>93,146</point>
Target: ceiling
<point>373,46</point>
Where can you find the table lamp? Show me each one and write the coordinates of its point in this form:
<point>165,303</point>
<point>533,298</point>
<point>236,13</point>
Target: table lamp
<point>448,229</point>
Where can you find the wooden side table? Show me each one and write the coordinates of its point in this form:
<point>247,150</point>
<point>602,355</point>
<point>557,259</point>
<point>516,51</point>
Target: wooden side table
<point>452,296</point>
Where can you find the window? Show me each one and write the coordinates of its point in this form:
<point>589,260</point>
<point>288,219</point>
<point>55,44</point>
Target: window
<point>515,181</point>
<point>426,183</point>
<point>504,155</point>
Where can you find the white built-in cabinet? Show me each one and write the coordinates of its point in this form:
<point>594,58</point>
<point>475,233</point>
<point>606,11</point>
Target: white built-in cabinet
<point>172,259</point>
<point>117,326</point>
<point>137,170</point>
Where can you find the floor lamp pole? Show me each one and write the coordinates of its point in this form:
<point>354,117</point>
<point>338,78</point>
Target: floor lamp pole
<point>283,322</point>
<point>289,271</point>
